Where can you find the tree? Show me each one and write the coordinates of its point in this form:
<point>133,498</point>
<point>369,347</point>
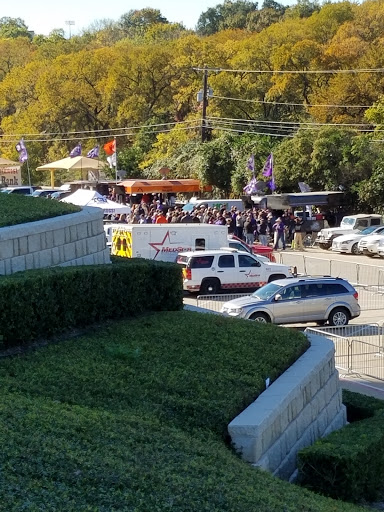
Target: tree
<point>13,27</point>
<point>135,23</point>
<point>228,15</point>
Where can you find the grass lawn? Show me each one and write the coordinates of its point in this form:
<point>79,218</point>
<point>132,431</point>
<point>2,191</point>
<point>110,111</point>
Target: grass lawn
<point>133,417</point>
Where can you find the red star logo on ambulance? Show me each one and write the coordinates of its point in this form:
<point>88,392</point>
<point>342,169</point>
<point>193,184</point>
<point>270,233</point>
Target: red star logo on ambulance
<point>167,247</point>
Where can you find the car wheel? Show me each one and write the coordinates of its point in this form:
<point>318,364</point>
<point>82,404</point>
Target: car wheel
<point>371,254</point>
<point>355,248</point>
<point>338,317</point>
<point>210,286</point>
<point>325,246</point>
<point>260,317</point>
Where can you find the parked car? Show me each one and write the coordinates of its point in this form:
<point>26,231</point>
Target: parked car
<point>60,194</point>
<point>43,193</point>
<point>298,300</point>
<point>211,271</point>
<point>380,248</point>
<point>24,191</point>
<point>350,243</point>
<point>369,245</point>
<point>349,224</point>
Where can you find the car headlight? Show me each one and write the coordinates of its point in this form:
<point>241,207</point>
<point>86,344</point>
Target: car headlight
<point>232,311</point>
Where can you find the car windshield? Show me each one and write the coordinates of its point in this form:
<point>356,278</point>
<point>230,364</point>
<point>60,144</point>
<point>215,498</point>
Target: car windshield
<point>369,230</point>
<point>266,292</point>
<point>348,221</point>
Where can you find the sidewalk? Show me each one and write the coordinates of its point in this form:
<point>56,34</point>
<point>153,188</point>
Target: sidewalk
<point>363,385</point>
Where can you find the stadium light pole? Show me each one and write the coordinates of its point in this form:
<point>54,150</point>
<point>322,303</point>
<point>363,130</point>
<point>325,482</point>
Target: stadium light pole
<point>69,23</point>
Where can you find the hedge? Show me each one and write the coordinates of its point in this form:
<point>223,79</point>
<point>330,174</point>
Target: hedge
<point>17,209</point>
<point>42,303</point>
<point>348,464</point>
<point>133,417</point>
<point>360,406</point>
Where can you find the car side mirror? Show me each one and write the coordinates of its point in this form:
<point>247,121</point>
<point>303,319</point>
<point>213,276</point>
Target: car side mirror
<point>278,297</point>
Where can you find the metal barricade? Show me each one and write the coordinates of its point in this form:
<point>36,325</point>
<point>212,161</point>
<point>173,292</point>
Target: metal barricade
<point>215,302</point>
<point>370,297</point>
<point>359,349</point>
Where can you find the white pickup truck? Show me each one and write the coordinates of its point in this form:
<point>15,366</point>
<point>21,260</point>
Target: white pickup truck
<point>349,224</point>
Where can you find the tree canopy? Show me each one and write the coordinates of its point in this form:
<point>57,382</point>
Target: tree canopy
<point>304,82</point>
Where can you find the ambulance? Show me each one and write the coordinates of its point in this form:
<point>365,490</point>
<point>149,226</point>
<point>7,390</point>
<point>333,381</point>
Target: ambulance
<point>163,242</point>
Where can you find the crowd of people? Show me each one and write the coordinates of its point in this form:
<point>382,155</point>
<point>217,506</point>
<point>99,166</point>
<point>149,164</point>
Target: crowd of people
<point>251,225</point>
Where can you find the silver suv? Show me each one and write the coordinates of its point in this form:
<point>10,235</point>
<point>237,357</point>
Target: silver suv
<point>298,300</point>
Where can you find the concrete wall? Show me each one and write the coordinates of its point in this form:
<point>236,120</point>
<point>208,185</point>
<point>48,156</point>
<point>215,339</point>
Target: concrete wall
<point>74,239</point>
<point>301,406</point>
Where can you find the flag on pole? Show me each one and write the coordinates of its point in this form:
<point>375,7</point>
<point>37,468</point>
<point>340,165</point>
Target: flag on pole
<point>268,167</point>
<point>272,184</point>
<point>251,187</point>
<point>94,152</point>
<point>251,163</point>
<point>304,187</point>
<point>76,151</point>
<point>112,160</point>
<point>22,150</point>
<point>110,147</point>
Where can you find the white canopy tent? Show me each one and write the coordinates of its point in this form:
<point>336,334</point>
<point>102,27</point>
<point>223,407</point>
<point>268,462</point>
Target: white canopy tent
<point>81,163</point>
<point>83,197</point>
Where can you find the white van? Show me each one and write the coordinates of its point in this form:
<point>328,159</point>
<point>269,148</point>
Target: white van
<point>163,242</point>
<point>214,203</point>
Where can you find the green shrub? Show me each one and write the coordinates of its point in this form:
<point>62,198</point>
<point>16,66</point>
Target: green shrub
<point>360,406</point>
<point>17,209</point>
<point>133,417</point>
<point>349,463</point>
<point>42,303</point>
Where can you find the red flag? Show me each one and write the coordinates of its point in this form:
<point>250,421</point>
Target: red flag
<point>110,147</point>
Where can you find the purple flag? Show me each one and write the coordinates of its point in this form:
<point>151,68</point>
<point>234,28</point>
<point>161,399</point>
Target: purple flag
<point>251,163</point>
<point>251,187</point>
<point>268,167</point>
<point>76,151</point>
<point>94,152</point>
<point>272,184</point>
<point>22,150</point>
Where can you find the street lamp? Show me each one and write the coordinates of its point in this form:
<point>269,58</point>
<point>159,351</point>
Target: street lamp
<point>69,23</point>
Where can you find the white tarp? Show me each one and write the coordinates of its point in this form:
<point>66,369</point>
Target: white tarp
<point>83,197</point>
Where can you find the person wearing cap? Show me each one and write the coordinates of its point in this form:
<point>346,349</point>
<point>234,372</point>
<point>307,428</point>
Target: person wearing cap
<point>279,233</point>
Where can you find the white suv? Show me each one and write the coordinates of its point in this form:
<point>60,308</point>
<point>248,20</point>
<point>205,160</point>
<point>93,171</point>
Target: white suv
<point>208,272</point>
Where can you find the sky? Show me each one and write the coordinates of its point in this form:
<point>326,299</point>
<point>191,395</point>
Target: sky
<point>41,18</point>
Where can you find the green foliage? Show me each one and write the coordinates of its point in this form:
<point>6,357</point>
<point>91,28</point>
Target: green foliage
<point>228,15</point>
<point>17,209</point>
<point>134,417</point>
<point>58,299</point>
<point>13,27</point>
<point>349,463</point>
<point>137,22</point>
<point>360,406</point>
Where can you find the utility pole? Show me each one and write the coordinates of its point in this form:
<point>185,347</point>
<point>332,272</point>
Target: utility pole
<point>204,127</point>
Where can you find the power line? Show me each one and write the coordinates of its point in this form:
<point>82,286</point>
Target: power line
<point>109,130</point>
<point>299,123</point>
<point>251,132</point>
<point>292,104</point>
<point>74,139</point>
<point>293,71</point>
